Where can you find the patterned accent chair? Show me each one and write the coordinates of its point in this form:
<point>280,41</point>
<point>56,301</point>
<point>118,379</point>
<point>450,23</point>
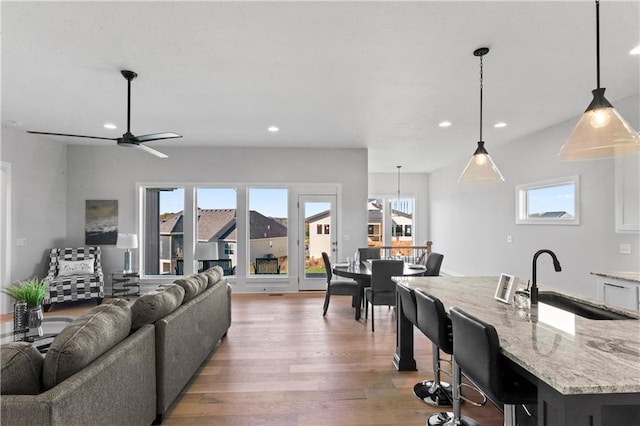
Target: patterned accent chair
<point>77,282</point>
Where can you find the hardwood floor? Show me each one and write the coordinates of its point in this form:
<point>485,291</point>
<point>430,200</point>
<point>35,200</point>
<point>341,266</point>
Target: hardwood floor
<point>283,363</point>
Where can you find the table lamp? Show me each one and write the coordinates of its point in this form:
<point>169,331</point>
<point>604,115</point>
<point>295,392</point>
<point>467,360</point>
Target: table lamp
<point>127,242</point>
<point>206,251</point>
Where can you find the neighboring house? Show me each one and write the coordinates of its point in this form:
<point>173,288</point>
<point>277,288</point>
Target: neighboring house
<point>561,214</point>
<point>401,226</point>
<point>268,236</point>
<point>319,231</point>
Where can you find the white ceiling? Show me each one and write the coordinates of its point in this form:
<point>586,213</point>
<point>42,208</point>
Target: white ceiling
<point>379,75</point>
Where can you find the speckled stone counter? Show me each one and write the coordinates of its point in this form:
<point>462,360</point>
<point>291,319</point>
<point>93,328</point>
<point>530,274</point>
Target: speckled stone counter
<point>627,276</point>
<point>570,355</point>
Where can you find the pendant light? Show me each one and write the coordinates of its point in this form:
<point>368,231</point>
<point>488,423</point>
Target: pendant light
<point>481,167</point>
<point>601,132</point>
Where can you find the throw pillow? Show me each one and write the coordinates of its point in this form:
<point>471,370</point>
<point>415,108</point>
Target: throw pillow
<point>193,285</point>
<point>214,275</point>
<point>85,339</point>
<point>152,306</point>
<point>21,370</point>
<point>67,268</point>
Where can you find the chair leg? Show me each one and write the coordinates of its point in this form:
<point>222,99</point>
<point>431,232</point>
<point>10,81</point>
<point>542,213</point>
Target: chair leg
<point>326,302</point>
<point>372,321</point>
<point>99,301</point>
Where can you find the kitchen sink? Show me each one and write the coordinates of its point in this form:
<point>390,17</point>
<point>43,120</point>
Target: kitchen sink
<point>580,308</point>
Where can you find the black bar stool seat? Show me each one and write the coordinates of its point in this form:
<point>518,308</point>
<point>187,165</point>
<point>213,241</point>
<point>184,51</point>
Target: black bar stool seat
<point>476,351</point>
<point>433,322</point>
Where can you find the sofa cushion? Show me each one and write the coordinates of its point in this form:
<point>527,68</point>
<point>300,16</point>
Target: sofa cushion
<point>85,339</point>
<point>193,285</point>
<point>213,274</point>
<point>21,369</point>
<point>152,306</point>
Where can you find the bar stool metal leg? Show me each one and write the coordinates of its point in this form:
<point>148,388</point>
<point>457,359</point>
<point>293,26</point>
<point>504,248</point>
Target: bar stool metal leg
<point>434,392</point>
<point>458,419</point>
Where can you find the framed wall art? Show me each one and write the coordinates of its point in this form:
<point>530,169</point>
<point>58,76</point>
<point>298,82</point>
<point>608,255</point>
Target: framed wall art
<point>101,222</point>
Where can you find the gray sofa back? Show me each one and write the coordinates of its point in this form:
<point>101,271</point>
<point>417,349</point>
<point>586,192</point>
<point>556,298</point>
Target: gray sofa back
<point>115,389</point>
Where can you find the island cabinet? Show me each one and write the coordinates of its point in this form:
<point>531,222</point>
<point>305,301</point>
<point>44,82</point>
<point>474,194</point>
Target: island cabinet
<point>619,289</point>
<point>587,371</point>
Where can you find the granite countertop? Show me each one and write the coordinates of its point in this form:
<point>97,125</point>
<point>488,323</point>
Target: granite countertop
<point>575,355</point>
<point>627,276</point>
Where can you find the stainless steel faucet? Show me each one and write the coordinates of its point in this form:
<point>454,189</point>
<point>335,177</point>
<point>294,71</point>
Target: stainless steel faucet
<point>534,284</point>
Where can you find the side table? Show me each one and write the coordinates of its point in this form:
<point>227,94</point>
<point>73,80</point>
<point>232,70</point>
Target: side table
<point>125,284</point>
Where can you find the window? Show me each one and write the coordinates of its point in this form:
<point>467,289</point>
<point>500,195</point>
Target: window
<point>327,229</point>
<point>216,221</point>
<point>549,202</point>
<point>375,213</point>
<point>163,231</point>
<point>319,229</point>
<point>268,219</point>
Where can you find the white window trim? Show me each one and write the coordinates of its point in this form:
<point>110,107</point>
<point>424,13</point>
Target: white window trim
<point>521,202</point>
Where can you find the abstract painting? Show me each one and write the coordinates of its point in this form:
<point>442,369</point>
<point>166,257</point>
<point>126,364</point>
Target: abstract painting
<point>101,222</point>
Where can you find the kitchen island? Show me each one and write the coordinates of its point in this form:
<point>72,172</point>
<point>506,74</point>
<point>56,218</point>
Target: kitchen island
<point>587,371</point>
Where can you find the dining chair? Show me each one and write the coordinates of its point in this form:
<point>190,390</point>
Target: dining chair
<point>433,264</point>
<point>383,289</point>
<point>341,288</point>
<point>369,253</point>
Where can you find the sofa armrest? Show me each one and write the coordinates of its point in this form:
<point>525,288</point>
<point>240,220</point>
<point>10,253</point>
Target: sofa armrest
<point>117,388</point>
<point>186,337</point>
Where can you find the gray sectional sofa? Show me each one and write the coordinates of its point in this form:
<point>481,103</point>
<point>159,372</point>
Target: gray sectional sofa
<point>118,364</point>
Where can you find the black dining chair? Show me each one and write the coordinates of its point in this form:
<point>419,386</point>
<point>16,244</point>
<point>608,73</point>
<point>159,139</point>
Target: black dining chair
<point>433,264</point>
<point>383,289</point>
<point>476,354</point>
<point>369,253</point>
<point>342,288</point>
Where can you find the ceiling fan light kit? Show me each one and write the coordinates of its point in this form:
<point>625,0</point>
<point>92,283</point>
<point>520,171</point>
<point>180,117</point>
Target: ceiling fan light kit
<point>601,132</point>
<point>128,139</point>
<point>481,167</point>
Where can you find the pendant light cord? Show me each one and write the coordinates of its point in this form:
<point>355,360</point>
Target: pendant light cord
<point>598,42</point>
<point>480,98</point>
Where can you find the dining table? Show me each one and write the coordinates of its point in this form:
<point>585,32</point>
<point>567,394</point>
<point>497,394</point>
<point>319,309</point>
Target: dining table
<point>361,273</point>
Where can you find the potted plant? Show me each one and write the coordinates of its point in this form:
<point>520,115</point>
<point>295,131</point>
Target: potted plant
<point>27,312</point>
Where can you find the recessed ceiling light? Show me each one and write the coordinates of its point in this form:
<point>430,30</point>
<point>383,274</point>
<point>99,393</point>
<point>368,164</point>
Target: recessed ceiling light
<point>15,123</point>
<point>110,126</point>
<point>635,50</point>
<point>500,125</point>
<point>444,124</point>
<point>273,129</point>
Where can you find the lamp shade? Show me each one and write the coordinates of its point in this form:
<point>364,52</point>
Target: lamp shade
<point>127,241</point>
<point>206,251</point>
<point>600,133</point>
<point>481,168</point>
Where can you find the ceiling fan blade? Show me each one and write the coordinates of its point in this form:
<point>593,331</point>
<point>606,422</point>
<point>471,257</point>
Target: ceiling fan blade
<point>148,150</point>
<point>155,137</point>
<point>74,136</point>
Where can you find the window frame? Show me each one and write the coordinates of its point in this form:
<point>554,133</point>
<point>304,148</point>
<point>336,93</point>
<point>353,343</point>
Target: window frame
<point>522,217</point>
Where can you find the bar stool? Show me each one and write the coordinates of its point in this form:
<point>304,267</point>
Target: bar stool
<point>432,321</point>
<point>476,352</point>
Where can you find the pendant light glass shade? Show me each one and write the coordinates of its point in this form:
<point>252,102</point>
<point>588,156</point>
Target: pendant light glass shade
<point>601,132</point>
<point>481,168</point>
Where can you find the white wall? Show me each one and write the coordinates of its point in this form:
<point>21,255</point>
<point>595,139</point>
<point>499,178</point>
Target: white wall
<point>470,222</point>
<point>111,172</point>
<point>38,203</point>
<point>414,185</point>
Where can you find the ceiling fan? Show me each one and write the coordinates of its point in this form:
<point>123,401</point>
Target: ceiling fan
<point>127,139</point>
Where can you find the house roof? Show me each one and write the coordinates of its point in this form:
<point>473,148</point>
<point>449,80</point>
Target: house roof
<point>220,224</point>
